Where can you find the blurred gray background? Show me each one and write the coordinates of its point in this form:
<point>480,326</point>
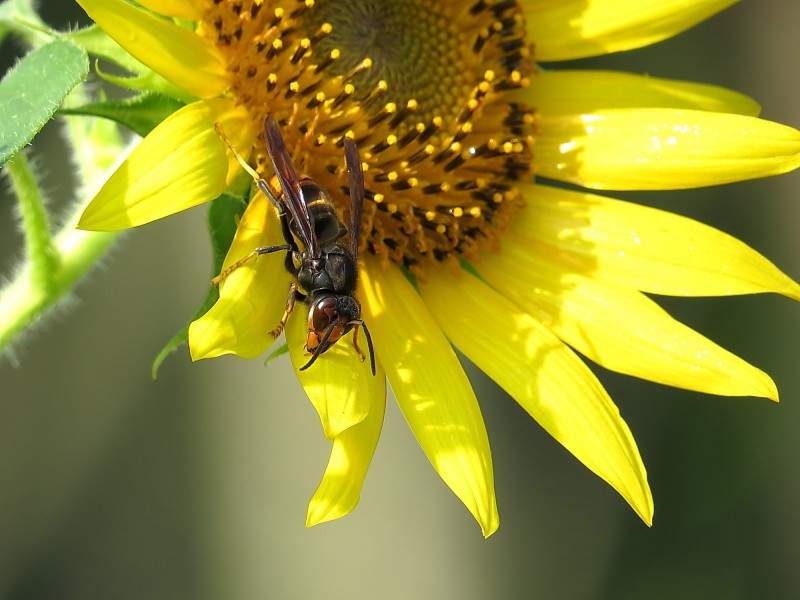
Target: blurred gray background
<point>196,486</point>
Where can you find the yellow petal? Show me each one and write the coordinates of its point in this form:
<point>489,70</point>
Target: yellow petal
<point>188,60</point>
<point>619,328</point>
<point>339,384</point>
<point>352,451</point>
<point>659,149</point>
<point>576,92</point>
<point>431,388</point>
<point>180,164</point>
<point>641,247</point>
<point>181,9</point>
<point>545,377</point>
<point>252,297</point>
<point>567,29</point>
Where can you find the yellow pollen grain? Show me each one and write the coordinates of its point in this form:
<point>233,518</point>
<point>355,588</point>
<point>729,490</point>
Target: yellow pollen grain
<point>430,215</point>
<point>489,75</point>
<point>457,212</point>
<point>378,198</point>
<point>392,208</point>
<point>413,181</point>
<point>474,211</point>
<point>440,229</point>
<point>277,43</point>
<point>391,139</point>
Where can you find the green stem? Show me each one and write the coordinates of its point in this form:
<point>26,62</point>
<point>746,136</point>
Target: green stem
<point>23,302</point>
<point>56,264</point>
<point>41,254</point>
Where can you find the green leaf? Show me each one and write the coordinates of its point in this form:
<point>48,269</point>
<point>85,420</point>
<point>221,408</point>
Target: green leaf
<point>34,89</point>
<point>279,351</point>
<point>223,217</point>
<point>139,114</point>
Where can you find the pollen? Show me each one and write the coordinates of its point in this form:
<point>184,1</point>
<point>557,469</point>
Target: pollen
<point>425,90</point>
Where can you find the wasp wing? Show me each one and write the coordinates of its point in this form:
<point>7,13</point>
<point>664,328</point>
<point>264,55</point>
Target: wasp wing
<point>355,176</point>
<point>290,184</point>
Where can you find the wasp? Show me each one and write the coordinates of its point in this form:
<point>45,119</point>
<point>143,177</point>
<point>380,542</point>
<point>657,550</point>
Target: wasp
<point>324,268</point>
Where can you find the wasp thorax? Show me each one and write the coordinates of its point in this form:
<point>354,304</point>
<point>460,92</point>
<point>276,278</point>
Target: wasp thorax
<point>422,87</point>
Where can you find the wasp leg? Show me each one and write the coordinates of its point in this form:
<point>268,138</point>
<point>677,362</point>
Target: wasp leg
<point>360,353</point>
<point>357,324</point>
<point>250,171</point>
<point>257,252</point>
<point>294,296</point>
<point>260,182</point>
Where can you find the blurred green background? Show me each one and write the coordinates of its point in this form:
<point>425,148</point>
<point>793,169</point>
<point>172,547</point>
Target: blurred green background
<point>116,487</point>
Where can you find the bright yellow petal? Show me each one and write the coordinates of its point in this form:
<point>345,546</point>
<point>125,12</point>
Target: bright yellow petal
<point>352,451</point>
<point>545,377</point>
<point>659,149</point>
<point>179,55</point>
<point>619,328</point>
<point>576,92</point>
<point>252,297</point>
<point>180,164</point>
<point>568,29</point>
<point>181,9</point>
<point>431,388</point>
<point>338,384</point>
<point>641,247</point>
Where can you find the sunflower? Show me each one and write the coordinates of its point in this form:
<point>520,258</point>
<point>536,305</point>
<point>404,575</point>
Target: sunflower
<point>461,246</point>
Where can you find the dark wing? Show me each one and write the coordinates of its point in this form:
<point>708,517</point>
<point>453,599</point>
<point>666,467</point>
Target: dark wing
<point>290,184</point>
<point>356,179</point>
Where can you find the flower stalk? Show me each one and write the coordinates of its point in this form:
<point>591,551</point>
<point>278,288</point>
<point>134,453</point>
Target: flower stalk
<point>54,264</point>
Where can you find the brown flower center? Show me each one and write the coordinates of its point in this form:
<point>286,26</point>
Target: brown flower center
<point>420,85</point>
